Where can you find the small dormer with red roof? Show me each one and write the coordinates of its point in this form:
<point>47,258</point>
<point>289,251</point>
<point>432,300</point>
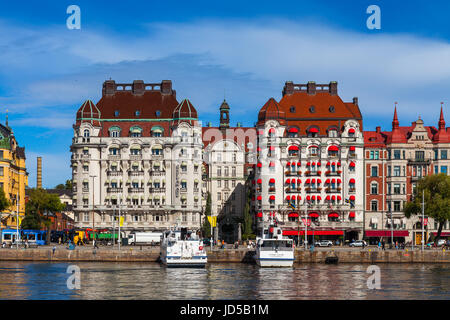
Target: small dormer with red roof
<point>88,112</point>
<point>441,136</point>
<point>185,112</point>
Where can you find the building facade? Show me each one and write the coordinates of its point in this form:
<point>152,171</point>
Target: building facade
<point>310,162</point>
<point>13,177</point>
<point>137,154</point>
<point>394,162</point>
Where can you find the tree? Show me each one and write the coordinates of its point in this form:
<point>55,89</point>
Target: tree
<point>206,225</point>
<point>60,186</point>
<point>436,189</point>
<point>69,185</point>
<point>4,202</point>
<point>39,205</point>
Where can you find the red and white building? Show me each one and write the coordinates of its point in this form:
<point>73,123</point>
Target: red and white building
<point>310,162</point>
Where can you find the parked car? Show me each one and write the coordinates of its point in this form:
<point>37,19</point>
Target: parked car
<point>440,242</point>
<point>324,243</point>
<point>358,243</point>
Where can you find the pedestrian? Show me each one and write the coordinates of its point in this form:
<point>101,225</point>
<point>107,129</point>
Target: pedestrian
<point>379,245</point>
<point>396,245</point>
<point>363,244</point>
<point>53,249</point>
<point>383,245</point>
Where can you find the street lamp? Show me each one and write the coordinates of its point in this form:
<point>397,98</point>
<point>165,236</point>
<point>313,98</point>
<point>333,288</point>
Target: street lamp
<point>93,208</point>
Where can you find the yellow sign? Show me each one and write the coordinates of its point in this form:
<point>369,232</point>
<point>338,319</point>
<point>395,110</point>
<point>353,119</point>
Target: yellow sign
<point>212,220</point>
<point>20,221</point>
<point>121,221</point>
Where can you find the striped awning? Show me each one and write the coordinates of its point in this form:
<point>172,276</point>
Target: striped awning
<point>75,164</point>
<point>107,198</point>
<point>183,197</point>
<point>74,197</point>
<point>157,146</point>
<point>135,197</point>
<point>156,197</point>
<point>150,197</point>
<point>114,197</point>
<point>86,148</point>
<point>114,180</point>
<point>156,129</point>
<point>114,146</point>
<point>135,181</point>
<point>184,163</point>
<point>196,198</point>
<point>156,180</point>
<point>135,164</point>
<point>86,181</point>
<point>136,146</point>
<point>196,180</point>
<point>183,180</point>
<point>107,181</point>
<point>114,164</point>
<point>85,197</point>
<point>156,164</point>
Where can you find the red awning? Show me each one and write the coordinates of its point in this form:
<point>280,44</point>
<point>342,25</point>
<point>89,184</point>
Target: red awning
<point>313,130</point>
<point>313,198</point>
<point>272,148</point>
<point>272,197</point>
<point>334,215</point>
<point>333,164</point>
<point>338,164</point>
<point>333,180</point>
<point>328,164</point>
<point>299,197</point>
<point>352,148</point>
<point>351,180</point>
<point>318,164</point>
<point>293,215</point>
<point>259,181</point>
<point>316,232</point>
<point>339,198</point>
<point>272,164</point>
<point>351,130</point>
<point>299,181</point>
<point>260,131</point>
<point>313,181</point>
<point>319,198</point>
<point>272,180</point>
<point>313,215</point>
<point>291,148</point>
<point>328,181</point>
<point>288,181</point>
<point>308,198</point>
<point>271,130</point>
<point>319,181</point>
<point>299,164</point>
<point>259,165</point>
<point>333,148</point>
<point>313,163</point>
<point>308,164</point>
<point>338,180</point>
<point>443,234</point>
<point>259,214</point>
<point>328,198</point>
<point>258,149</point>
<point>308,181</point>
<point>293,130</point>
<point>351,215</point>
<point>288,198</point>
<point>333,198</point>
<point>352,197</point>
<point>259,198</point>
<point>386,233</point>
<point>352,164</point>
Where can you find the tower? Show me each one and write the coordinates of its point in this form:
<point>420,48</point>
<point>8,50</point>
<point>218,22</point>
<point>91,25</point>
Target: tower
<point>39,173</point>
<point>224,115</point>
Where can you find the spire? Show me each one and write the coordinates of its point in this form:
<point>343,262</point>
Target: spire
<point>6,117</point>
<point>395,122</point>
<point>441,119</point>
<point>224,115</point>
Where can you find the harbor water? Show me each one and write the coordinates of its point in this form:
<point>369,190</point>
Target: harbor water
<point>42,281</point>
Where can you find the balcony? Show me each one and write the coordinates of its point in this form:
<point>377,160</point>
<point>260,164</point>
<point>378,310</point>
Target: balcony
<point>352,190</point>
<point>85,189</point>
<point>292,173</point>
<point>135,157</point>
<point>114,173</point>
<point>114,190</point>
<point>295,190</point>
<point>313,190</point>
<point>271,189</point>
<point>114,157</point>
<point>332,190</point>
<point>135,190</point>
<point>418,161</point>
<point>154,190</point>
<point>135,173</point>
<point>313,173</point>
<point>333,173</point>
<point>157,173</point>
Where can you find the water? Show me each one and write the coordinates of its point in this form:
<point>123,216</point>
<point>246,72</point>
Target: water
<point>36,280</point>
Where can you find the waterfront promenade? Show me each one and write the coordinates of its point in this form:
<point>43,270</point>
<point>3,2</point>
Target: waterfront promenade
<point>244,255</point>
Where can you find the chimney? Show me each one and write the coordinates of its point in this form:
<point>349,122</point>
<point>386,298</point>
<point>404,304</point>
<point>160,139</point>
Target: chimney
<point>288,88</point>
<point>378,129</point>
<point>311,87</point>
<point>355,100</point>
<point>166,87</point>
<point>39,173</point>
<point>333,88</point>
<point>138,87</point>
<point>109,88</point>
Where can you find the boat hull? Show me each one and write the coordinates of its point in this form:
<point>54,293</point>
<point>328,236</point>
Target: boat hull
<point>184,263</point>
<point>275,263</point>
<point>274,259</point>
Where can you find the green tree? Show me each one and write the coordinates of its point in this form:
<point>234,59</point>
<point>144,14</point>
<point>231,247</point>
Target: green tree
<point>60,187</point>
<point>39,204</point>
<point>69,185</point>
<point>436,189</point>
<point>206,225</point>
<point>4,202</point>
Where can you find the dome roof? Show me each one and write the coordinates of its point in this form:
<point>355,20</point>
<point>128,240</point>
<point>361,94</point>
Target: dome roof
<point>185,111</point>
<point>88,112</point>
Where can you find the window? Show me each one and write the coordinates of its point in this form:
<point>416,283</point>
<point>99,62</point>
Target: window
<point>396,154</point>
<point>227,171</point>
<point>183,184</point>
<point>371,155</point>
<point>116,113</point>
<point>219,196</point>
<point>219,157</point>
<point>135,202</point>
<point>436,154</point>
<point>226,183</point>
<point>1,171</point>
<point>374,171</point>
<point>86,216</point>
<point>137,113</point>
<point>113,151</point>
<point>331,109</point>
<point>219,171</point>
<point>420,155</point>
<point>313,151</point>
<point>377,155</point>
<point>396,171</point>
<point>332,133</point>
<point>444,169</point>
<point>135,151</point>
<point>397,206</point>
<point>1,154</point>
<point>374,188</point>
<point>292,109</point>
<point>444,154</point>
<point>233,183</point>
<point>233,171</point>
<point>86,133</point>
<point>85,168</point>
<point>374,205</point>
<point>219,183</point>
<point>194,217</point>
<point>396,188</point>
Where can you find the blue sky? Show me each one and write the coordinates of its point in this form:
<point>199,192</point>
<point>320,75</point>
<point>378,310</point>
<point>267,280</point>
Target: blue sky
<point>245,49</point>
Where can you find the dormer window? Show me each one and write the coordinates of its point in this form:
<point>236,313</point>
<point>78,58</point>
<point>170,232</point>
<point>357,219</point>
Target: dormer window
<point>332,133</point>
<point>313,151</point>
<point>86,133</point>
<point>137,113</point>
<point>351,133</point>
<point>313,132</point>
<point>156,131</point>
<point>292,109</point>
<point>136,131</point>
<point>312,109</point>
<point>114,132</point>
<point>116,113</point>
<point>271,132</point>
<point>292,132</point>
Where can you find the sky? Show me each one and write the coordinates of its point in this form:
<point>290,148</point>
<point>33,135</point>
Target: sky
<point>241,50</point>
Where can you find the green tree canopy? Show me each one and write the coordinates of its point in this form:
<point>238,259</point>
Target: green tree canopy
<point>4,202</point>
<point>206,225</point>
<point>40,203</point>
<point>60,186</point>
<point>436,190</point>
<point>248,221</point>
<point>68,185</point>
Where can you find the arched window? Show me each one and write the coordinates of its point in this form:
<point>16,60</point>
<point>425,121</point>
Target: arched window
<point>313,132</point>
<point>332,133</point>
<point>313,151</point>
<point>374,188</point>
<point>86,133</point>
<point>136,131</point>
<point>114,131</point>
<point>157,131</point>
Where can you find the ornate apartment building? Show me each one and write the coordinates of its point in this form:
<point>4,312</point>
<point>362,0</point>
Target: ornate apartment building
<point>137,151</point>
<point>13,176</point>
<point>310,162</point>
<point>394,162</point>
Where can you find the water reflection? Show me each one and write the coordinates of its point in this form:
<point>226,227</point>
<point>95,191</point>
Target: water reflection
<point>23,280</point>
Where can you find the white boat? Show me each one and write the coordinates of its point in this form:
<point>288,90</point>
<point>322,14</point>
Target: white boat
<point>182,248</point>
<point>274,250</point>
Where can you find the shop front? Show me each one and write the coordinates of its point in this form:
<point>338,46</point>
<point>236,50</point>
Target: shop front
<point>374,236</point>
<point>317,235</point>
